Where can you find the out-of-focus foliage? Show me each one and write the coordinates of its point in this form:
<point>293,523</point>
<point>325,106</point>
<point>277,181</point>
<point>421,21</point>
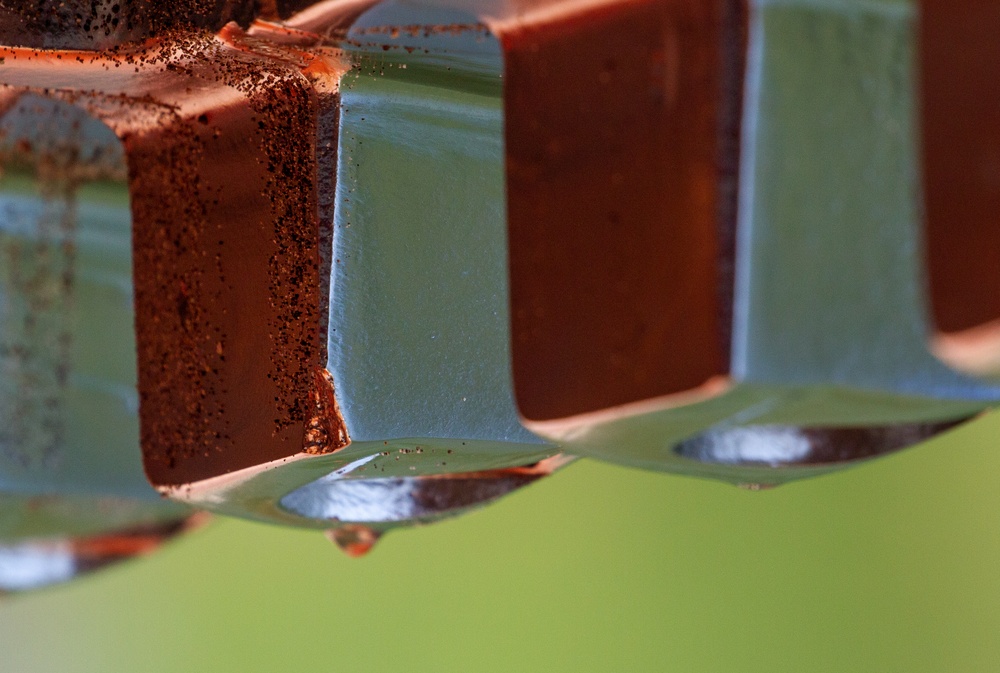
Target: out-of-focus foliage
<point>888,567</point>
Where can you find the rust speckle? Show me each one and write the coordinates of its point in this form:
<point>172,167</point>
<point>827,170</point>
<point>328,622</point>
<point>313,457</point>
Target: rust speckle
<point>325,432</point>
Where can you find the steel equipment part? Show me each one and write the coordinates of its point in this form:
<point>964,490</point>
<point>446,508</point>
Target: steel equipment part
<point>355,265</point>
<point>767,317</point>
<point>74,496</point>
<point>224,152</point>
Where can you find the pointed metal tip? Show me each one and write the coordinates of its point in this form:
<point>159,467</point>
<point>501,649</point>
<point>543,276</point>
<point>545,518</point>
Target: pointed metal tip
<point>354,540</point>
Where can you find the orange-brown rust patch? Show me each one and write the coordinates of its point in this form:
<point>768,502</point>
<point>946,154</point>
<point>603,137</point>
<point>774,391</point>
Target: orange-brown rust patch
<point>222,145</point>
<point>226,252</point>
<point>133,541</point>
<point>85,24</point>
<point>325,432</point>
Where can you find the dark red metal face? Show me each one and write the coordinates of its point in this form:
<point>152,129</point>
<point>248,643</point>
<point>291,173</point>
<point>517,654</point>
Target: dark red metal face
<point>622,133</point>
<point>960,105</point>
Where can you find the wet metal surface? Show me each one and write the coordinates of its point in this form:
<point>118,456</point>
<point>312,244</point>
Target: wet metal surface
<point>354,265</point>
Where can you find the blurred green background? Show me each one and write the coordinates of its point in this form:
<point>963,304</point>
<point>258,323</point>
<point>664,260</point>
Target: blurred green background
<point>889,567</point>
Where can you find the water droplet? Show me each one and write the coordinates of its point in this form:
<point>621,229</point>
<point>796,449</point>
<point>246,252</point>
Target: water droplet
<point>354,539</point>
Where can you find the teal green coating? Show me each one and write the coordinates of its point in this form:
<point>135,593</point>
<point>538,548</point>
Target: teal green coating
<point>831,286</point>
<point>419,337</point>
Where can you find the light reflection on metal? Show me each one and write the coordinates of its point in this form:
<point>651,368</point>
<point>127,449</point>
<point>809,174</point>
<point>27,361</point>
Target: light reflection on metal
<point>783,445</point>
<point>386,500</point>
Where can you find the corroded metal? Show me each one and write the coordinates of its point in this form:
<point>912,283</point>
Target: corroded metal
<point>389,261</point>
<point>809,346</point>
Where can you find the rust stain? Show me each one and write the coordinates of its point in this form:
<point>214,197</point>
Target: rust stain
<point>222,142</point>
<point>326,431</point>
